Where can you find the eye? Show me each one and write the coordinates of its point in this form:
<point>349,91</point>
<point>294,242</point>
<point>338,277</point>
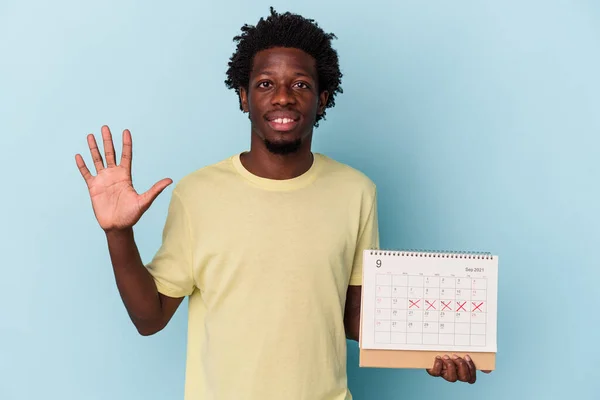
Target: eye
<point>302,85</point>
<point>263,84</point>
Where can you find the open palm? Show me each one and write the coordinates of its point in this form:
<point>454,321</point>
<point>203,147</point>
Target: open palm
<point>116,203</point>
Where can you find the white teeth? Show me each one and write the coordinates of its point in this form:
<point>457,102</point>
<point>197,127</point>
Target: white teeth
<point>283,120</point>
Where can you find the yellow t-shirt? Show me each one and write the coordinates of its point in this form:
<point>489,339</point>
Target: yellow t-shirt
<point>266,264</point>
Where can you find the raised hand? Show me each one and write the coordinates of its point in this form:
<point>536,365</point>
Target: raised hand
<point>115,202</point>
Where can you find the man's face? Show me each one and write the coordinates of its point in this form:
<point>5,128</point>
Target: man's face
<point>282,98</point>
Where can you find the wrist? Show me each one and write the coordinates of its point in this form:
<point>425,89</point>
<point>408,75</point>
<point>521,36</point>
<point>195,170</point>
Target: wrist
<point>119,233</point>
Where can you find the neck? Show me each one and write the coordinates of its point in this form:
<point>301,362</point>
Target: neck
<point>261,162</point>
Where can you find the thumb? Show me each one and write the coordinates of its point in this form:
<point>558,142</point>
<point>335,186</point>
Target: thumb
<point>147,198</point>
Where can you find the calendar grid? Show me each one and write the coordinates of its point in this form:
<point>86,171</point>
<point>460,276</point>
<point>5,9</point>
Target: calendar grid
<point>430,310</point>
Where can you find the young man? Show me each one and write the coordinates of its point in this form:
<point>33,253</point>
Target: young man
<point>267,244</point>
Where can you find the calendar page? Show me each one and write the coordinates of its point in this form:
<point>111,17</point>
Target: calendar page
<point>429,301</point>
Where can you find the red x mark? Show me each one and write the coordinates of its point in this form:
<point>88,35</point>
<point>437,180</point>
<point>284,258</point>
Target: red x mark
<point>413,303</point>
<point>476,307</point>
<point>446,305</point>
<point>430,305</point>
<point>461,306</point>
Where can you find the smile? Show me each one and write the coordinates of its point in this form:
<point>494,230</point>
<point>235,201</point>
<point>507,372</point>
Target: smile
<point>283,120</point>
<point>282,124</point>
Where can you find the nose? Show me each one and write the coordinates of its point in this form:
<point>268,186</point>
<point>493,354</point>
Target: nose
<point>283,96</point>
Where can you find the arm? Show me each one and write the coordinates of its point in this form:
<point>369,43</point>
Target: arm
<point>367,239</point>
<point>117,207</point>
<point>149,310</point>
<point>352,312</point>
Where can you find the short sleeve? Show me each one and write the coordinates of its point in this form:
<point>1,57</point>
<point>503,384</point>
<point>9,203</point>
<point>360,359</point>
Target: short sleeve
<point>367,239</point>
<point>171,266</point>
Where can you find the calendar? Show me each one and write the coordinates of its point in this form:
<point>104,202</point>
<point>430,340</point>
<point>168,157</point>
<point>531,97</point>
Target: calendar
<point>429,300</point>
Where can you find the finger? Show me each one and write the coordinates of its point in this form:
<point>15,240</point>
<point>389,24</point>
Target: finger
<point>436,370</point>
<point>96,157</point>
<point>487,372</point>
<point>450,372</point>
<point>472,369</point>
<point>462,369</point>
<point>148,198</point>
<point>85,172</point>
<point>126,153</point>
<point>109,148</point>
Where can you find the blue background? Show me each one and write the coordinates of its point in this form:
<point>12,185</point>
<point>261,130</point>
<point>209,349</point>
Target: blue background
<point>478,120</point>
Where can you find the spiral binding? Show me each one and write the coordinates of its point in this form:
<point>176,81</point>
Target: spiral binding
<point>477,255</point>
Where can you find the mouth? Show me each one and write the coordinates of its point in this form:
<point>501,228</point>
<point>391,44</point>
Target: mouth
<point>282,121</point>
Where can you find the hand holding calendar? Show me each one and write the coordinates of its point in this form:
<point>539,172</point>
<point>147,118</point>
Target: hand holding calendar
<point>455,369</point>
<point>432,310</point>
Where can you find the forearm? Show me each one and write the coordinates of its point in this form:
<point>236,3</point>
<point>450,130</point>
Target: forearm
<point>352,325</point>
<point>352,313</point>
<point>135,284</point>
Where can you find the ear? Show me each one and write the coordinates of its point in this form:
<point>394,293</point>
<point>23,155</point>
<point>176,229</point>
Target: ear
<point>323,97</point>
<point>244,99</point>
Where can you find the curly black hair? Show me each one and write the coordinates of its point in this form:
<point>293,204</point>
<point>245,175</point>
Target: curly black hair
<point>292,31</point>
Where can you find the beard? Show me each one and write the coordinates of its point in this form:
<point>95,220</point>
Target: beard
<point>283,148</point>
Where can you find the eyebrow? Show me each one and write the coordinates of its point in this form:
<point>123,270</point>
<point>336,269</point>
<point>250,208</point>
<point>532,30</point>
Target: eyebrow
<point>298,73</point>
